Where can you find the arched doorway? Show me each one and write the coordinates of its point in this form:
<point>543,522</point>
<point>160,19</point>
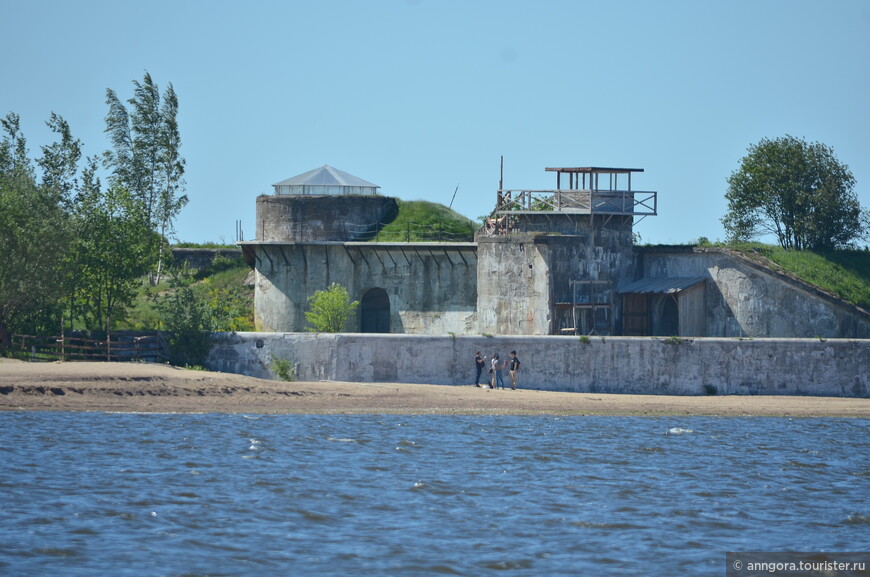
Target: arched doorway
<point>375,311</point>
<point>669,317</point>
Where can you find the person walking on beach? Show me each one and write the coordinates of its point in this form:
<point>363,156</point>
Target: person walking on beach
<point>497,378</point>
<point>514,369</point>
<point>479,364</point>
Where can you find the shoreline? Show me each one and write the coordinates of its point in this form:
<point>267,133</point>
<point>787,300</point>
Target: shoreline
<point>153,388</point>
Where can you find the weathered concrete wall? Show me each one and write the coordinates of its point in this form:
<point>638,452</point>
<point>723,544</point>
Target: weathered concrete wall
<point>606,365</point>
<point>321,218</point>
<point>523,276</point>
<point>198,258</point>
<point>432,287</point>
<point>745,299</point>
<point>513,287</point>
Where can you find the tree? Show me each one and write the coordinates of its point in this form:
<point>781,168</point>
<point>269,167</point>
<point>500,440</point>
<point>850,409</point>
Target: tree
<point>330,310</point>
<point>111,250</point>
<point>795,190</point>
<point>169,201</point>
<point>33,236</point>
<point>145,157</point>
<point>59,162</point>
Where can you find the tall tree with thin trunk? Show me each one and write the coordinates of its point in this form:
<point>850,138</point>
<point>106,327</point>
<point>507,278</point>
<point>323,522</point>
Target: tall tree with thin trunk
<point>146,158</point>
<point>59,162</point>
<point>145,124</point>
<point>170,200</point>
<point>120,158</point>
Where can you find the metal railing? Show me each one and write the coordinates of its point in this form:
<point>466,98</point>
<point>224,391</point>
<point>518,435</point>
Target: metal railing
<point>618,202</point>
<point>513,207</point>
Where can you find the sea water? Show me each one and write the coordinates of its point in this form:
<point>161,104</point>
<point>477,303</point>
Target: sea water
<point>84,494</point>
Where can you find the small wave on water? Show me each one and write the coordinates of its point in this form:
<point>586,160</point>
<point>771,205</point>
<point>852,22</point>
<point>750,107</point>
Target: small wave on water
<point>341,440</point>
<point>149,495</point>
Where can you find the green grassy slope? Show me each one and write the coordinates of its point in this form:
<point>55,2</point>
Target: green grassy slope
<point>845,273</point>
<point>422,221</point>
<point>221,286</point>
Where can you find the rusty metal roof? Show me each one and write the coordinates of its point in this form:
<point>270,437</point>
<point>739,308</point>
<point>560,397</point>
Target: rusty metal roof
<point>661,285</point>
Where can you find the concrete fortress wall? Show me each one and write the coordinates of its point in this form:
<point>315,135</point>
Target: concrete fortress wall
<point>525,277</point>
<point>744,299</point>
<point>525,282</point>
<point>639,365</point>
<point>432,287</point>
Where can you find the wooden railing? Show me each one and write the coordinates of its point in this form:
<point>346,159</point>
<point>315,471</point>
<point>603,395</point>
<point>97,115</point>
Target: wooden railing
<point>145,347</point>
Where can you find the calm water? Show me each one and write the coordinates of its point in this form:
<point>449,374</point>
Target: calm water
<point>197,495</point>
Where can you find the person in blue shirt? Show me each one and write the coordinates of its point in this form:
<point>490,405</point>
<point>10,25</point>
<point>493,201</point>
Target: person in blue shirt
<point>497,366</point>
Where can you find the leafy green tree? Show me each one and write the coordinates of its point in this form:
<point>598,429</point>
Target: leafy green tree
<point>59,162</point>
<point>111,254</point>
<point>330,310</point>
<point>145,157</point>
<point>170,200</point>
<point>33,236</point>
<point>798,192</point>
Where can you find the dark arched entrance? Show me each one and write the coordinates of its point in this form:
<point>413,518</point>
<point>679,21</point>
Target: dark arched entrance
<point>375,311</point>
<point>669,322</point>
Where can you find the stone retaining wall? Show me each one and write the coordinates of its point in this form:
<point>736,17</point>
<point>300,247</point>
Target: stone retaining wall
<point>833,367</point>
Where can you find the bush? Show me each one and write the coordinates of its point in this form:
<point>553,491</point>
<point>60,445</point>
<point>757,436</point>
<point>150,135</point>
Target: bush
<point>283,369</point>
<point>188,322</point>
<point>330,310</point>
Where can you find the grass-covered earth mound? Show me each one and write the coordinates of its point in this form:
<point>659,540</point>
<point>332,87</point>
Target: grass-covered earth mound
<point>845,273</point>
<point>422,221</point>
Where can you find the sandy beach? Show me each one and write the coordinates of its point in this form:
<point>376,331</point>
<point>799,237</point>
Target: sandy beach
<point>139,387</point>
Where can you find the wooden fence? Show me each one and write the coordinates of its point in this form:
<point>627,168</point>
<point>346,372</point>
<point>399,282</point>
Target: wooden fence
<point>125,347</point>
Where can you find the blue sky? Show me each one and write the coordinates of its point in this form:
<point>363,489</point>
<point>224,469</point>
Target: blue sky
<point>419,96</point>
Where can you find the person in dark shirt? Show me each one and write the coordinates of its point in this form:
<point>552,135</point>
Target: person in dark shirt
<point>514,369</point>
<point>479,364</point>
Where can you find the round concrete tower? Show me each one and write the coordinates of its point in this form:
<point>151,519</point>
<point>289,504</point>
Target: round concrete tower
<point>324,204</point>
